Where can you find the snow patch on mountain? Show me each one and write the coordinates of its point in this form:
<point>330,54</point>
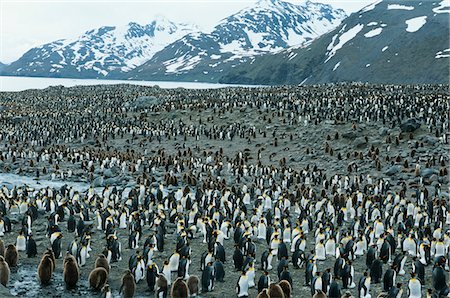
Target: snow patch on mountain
<point>373,32</point>
<point>443,54</point>
<point>343,39</point>
<point>415,24</point>
<point>370,6</point>
<point>400,7</point>
<point>444,7</point>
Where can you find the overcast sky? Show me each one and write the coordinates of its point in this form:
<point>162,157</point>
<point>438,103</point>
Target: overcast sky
<point>30,23</point>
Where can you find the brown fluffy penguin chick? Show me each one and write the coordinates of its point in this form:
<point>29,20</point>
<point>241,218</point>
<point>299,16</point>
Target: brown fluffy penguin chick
<point>319,294</point>
<point>98,278</point>
<point>192,283</point>
<point>2,248</point>
<point>286,287</point>
<point>45,269</point>
<point>275,291</point>
<point>11,255</point>
<point>128,285</point>
<point>51,255</point>
<point>71,271</point>
<point>102,261</point>
<point>179,289</point>
<point>162,287</point>
<point>4,271</point>
<point>263,294</point>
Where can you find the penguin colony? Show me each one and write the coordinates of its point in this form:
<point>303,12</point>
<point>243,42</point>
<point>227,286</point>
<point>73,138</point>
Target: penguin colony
<point>322,191</point>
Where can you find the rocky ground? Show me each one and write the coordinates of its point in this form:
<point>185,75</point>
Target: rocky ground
<point>305,148</point>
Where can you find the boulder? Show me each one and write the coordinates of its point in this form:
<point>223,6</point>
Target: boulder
<point>98,182</point>
<point>349,135</point>
<point>410,125</point>
<point>360,142</point>
<point>384,131</point>
<point>392,170</point>
<point>146,102</point>
<point>426,173</point>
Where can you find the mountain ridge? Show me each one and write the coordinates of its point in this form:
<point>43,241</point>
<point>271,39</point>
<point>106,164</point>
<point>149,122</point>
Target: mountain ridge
<point>386,42</point>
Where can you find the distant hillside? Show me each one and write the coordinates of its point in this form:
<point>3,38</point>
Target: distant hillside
<point>98,53</point>
<point>386,42</point>
<point>268,27</point>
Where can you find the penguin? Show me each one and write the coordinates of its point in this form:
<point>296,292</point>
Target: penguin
<point>208,278</point>
<point>385,252</point>
<point>286,275</point>
<point>174,261</point>
<point>73,247</point>
<point>11,255</point>
<point>238,258</point>
<point>139,270</point>
<point>242,286</point>
<point>56,245</point>
<point>81,256</point>
<point>71,271</point>
<point>263,294</point>
<point>376,271</point>
<point>128,285</point>
<point>98,278</point>
<point>414,287</point>
<point>419,269</point>
<point>364,286</point>
<point>4,271</point>
<point>316,283</point>
<point>162,287</point>
<point>71,224</point>
<point>396,292</point>
<point>275,291</point>
<point>348,276</point>
<point>167,273</point>
<point>2,248</point>
<point>183,268</point>
<point>192,283</point>
<point>309,272</point>
<point>251,275</point>
<point>439,279</point>
<point>371,256</point>
<point>298,259</point>
<point>219,270</point>
<point>334,290</point>
<point>320,251</point>
<point>326,279</point>
<point>264,281</point>
<point>286,287</point>
<point>102,261</point>
<point>389,279</point>
<point>106,291</point>
<point>21,242</point>
<point>151,276</point>
<point>219,252</point>
<point>179,289</point>
<point>159,241</point>
<point>31,247</point>
<point>399,262</point>
<point>45,269</point>
<point>266,260</point>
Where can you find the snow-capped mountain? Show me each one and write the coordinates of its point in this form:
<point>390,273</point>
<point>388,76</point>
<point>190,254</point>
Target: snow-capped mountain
<point>268,27</point>
<point>390,41</point>
<point>105,51</point>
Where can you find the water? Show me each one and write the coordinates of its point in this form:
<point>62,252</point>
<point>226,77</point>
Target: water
<point>23,83</point>
<point>9,180</point>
